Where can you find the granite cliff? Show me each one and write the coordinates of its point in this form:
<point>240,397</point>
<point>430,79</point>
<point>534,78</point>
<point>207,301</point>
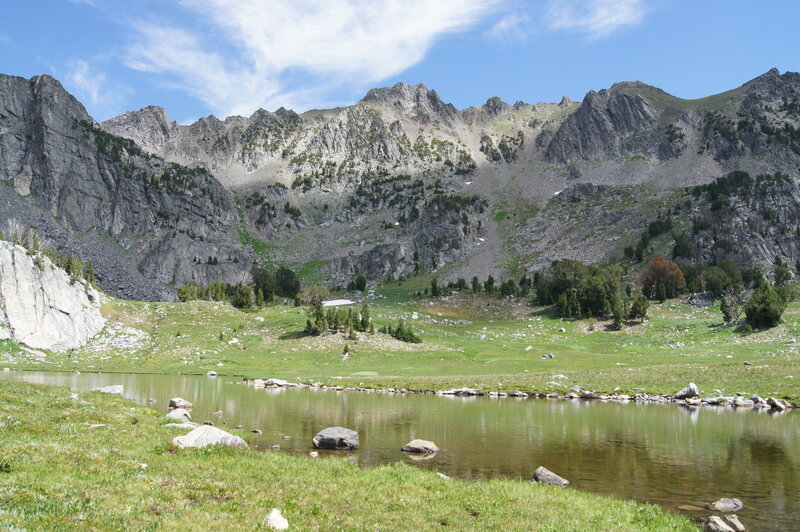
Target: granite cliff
<point>40,306</point>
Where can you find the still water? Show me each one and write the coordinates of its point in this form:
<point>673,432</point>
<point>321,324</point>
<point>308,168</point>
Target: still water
<point>669,455</point>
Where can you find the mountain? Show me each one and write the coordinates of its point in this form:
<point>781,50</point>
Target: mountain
<point>399,182</point>
<point>146,222</point>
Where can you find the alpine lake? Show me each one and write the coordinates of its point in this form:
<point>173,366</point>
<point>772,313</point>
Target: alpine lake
<point>678,457</point>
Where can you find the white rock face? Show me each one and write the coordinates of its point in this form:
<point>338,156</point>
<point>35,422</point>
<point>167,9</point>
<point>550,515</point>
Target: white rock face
<point>205,435</point>
<point>40,307</point>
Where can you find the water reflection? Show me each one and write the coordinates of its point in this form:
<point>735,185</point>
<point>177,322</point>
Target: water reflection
<point>670,455</point>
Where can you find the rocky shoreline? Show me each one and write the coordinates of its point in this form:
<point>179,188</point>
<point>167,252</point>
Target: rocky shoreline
<point>688,397</point>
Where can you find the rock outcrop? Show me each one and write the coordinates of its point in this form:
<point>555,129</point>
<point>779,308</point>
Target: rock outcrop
<point>40,306</point>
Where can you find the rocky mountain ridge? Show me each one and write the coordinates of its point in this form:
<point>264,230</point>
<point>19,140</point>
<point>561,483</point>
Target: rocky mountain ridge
<point>401,181</point>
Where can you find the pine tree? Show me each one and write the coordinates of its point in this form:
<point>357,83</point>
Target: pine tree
<point>476,285</point>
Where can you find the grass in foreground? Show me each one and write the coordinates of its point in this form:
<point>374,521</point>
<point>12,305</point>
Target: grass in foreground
<point>479,342</point>
<point>69,463</point>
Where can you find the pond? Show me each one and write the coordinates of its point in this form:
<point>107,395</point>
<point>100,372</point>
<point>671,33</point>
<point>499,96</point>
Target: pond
<point>674,456</point>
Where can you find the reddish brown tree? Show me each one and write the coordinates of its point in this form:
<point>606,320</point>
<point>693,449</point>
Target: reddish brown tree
<point>662,279</point>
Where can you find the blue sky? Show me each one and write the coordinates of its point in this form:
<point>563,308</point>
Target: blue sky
<point>198,57</point>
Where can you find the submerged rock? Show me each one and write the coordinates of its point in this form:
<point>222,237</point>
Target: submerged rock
<point>116,389</point>
<point>206,435</point>
<point>545,476</point>
<point>420,446</point>
<point>727,505</point>
<point>338,438</point>
<point>690,391</point>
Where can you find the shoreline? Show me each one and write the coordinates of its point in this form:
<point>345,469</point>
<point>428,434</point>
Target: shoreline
<point>736,401</point>
<point>770,404</point>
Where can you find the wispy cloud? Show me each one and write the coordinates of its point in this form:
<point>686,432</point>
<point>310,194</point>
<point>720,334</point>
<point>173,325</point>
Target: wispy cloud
<point>513,27</point>
<point>102,97</point>
<point>595,18</point>
<point>268,44</point>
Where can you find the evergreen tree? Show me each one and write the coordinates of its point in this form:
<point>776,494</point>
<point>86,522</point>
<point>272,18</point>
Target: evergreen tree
<point>476,285</point>
<point>434,288</point>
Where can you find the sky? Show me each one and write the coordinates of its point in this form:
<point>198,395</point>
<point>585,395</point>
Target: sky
<point>231,57</point>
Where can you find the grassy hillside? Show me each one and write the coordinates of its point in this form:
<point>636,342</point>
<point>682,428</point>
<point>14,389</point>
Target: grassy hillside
<point>478,342</point>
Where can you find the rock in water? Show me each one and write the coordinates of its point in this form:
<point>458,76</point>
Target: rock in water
<point>728,505</point>
<point>276,521</point>
<point>180,415</point>
<point>205,435</point>
<point>545,476</point>
<point>734,523</point>
<point>337,438</point>
<point>42,307</point>
<point>716,524</point>
<point>420,446</point>
<point>116,388</point>
<point>179,402</point>
<point>686,393</point>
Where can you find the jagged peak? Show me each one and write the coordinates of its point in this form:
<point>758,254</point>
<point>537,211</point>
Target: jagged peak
<point>397,91</point>
<point>416,100</point>
<point>771,77</point>
<point>156,111</point>
<point>495,106</point>
<point>565,101</point>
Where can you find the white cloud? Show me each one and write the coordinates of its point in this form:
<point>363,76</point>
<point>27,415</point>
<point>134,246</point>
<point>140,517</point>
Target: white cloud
<point>275,42</point>
<point>514,27</point>
<point>100,96</point>
<point>596,18</point>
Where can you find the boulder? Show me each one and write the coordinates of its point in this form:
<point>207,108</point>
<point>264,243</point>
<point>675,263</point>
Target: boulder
<point>777,404</point>
<point>733,522</point>
<point>276,521</point>
<point>181,415</point>
<point>206,435</point>
<point>420,446</point>
<point>187,425</point>
<point>716,524</point>
<point>743,403</point>
<point>690,391</point>
<point>336,438</point>
<point>211,374</point>
<point>545,476</point>
<point>727,505</point>
<point>116,388</point>
<point>179,402</point>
